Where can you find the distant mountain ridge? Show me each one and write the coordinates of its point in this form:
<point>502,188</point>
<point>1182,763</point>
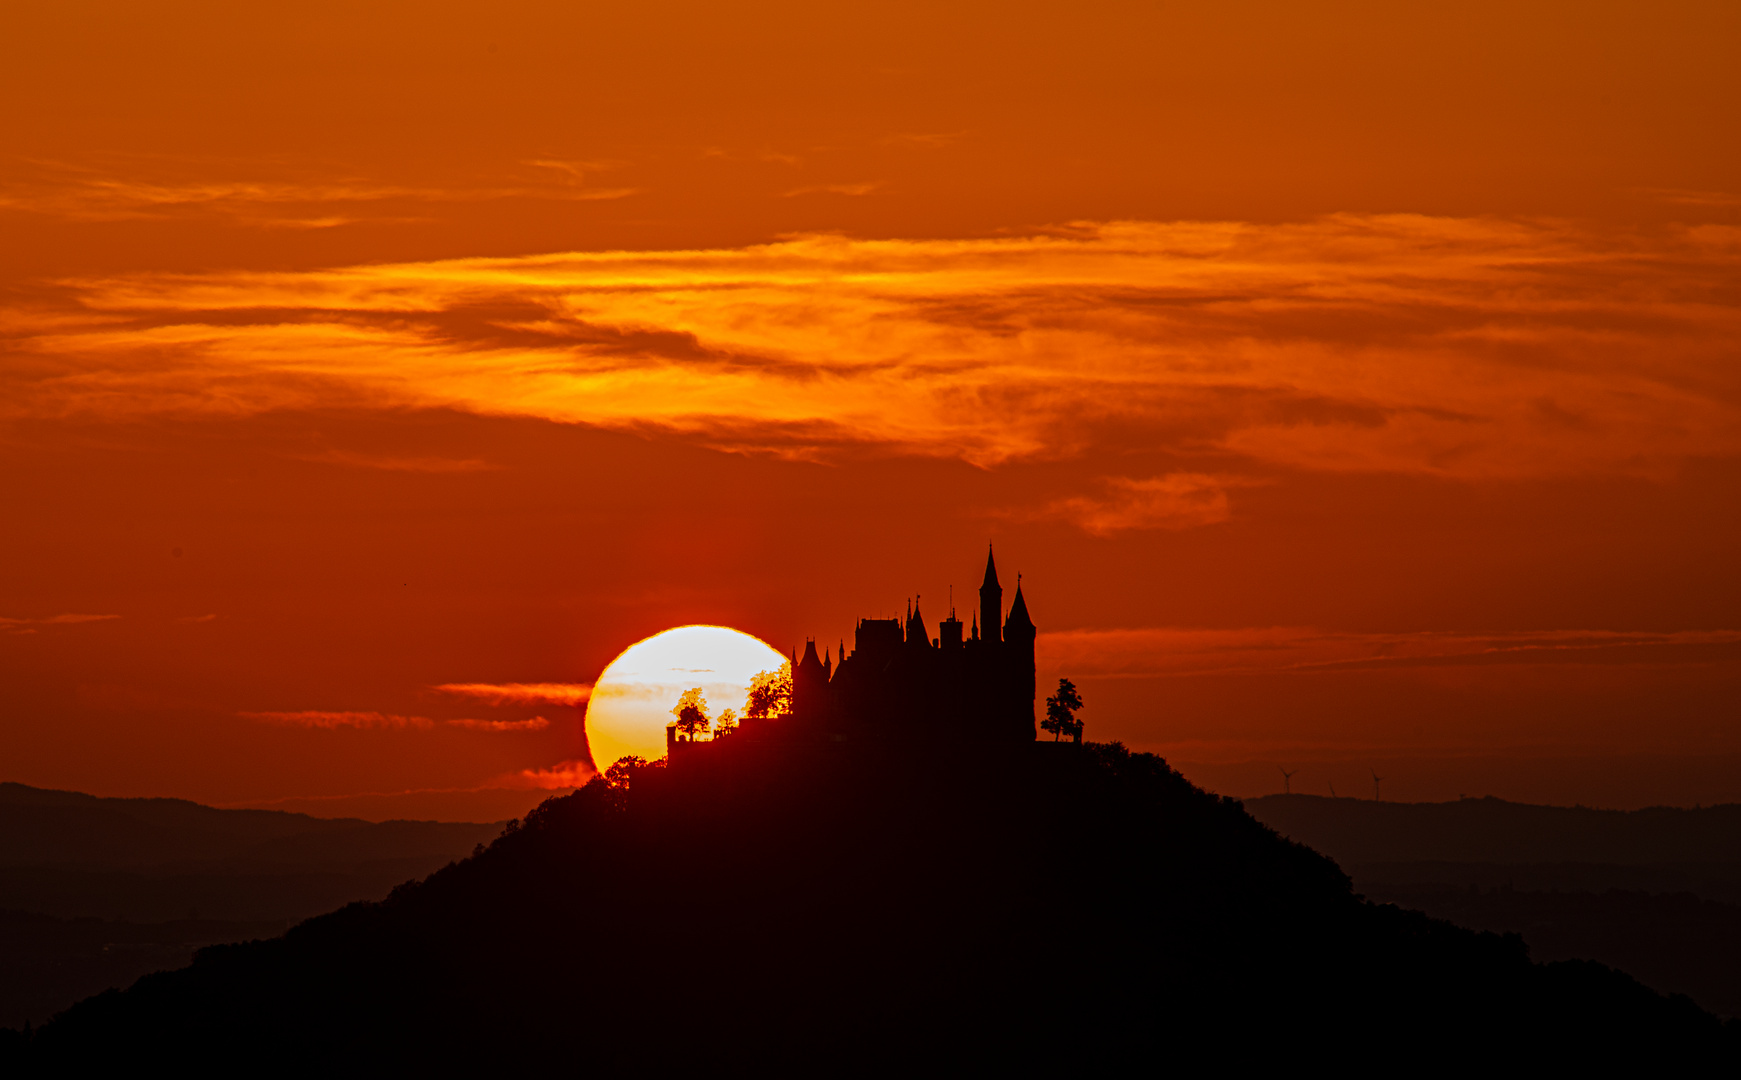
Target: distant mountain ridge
<point>44,827</point>
<point>95,892</point>
<point>1655,892</point>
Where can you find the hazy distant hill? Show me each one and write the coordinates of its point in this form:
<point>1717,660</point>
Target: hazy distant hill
<point>1363,831</point>
<point>69,854</point>
<point>831,908</point>
<point>1653,892</point>
<point>95,892</point>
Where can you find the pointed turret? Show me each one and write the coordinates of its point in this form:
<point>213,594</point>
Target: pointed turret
<point>1018,619</point>
<point>1018,634</point>
<point>809,684</point>
<point>991,601</point>
<point>916,635</point>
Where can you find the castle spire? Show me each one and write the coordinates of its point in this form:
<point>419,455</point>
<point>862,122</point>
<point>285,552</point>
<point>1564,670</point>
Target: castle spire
<point>991,601</point>
<point>1019,618</point>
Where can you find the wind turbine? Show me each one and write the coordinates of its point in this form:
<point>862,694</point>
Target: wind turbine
<point>1287,786</point>
<point>1376,779</point>
<point>1333,789</point>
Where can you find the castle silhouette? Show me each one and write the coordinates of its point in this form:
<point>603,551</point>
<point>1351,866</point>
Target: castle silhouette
<point>899,680</point>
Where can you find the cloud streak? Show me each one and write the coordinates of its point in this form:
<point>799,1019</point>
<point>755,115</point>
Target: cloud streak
<point>85,193</point>
<point>522,693</point>
<point>333,720</point>
<point>536,723</point>
<point>1173,501</point>
<point>13,625</point>
<point>1149,652</point>
<point>316,718</point>
<point>1457,348</point>
<point>568,774</point>
<point>399,464</point>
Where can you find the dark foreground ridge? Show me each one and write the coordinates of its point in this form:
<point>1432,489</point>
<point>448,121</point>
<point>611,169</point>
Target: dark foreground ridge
<point>791,905</point>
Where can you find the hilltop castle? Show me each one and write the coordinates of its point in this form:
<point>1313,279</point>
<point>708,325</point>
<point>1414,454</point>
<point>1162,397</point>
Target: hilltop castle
<point>900,681</point>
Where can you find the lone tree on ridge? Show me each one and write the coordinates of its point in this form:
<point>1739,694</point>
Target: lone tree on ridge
<point>1061,712</point>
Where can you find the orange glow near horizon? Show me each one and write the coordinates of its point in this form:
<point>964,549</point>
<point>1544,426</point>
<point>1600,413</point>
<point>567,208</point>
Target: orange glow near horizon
<point>1356,388</point>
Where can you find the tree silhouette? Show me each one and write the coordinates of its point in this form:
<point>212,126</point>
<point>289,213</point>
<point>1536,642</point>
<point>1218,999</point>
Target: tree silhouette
<point>617,776</point>
<point>691,713</point>
<point>770,693</point>
<point>725,723</point>
<point>1061,712</point>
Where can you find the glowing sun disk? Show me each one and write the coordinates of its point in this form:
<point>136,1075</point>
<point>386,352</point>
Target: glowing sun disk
<point>632,700</point>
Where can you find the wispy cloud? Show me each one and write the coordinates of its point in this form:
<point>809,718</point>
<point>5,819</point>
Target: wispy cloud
<point>1690,197</point>
<point>1173,501</point>
<point>28,625</point>
<point>315,718</point>
<point>927,139</point>
<point>522,693</point>
<point>568,774</point>
<point>399,464</point>
<point>862,188</point>
<point>91,193</point>
<point>197,618</point>
<point>536,723</point>
<point>322,719</point>
<point>1456,348</point>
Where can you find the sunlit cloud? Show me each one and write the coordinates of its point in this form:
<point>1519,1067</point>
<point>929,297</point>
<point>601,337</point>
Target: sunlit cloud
<point>319,719</point>
<point>1148,652</point>
<point>1463,349</point>
<point>522,693</point>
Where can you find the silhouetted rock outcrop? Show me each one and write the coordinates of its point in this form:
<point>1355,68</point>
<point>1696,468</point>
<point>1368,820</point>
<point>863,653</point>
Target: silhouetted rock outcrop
<point>818,906</point>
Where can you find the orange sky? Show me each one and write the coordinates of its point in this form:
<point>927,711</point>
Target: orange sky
<point>1356,387</point>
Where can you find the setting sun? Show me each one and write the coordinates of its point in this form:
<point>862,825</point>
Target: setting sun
<point>632,701</point>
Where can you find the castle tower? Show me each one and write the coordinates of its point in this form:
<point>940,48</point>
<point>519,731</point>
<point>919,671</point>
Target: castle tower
<point>949,632</point>
<point>1019,633</point>
<point>809,685</point>
<point>990,602</point>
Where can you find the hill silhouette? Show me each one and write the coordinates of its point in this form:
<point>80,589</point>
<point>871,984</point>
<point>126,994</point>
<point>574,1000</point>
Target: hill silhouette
<point>784,907</point>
